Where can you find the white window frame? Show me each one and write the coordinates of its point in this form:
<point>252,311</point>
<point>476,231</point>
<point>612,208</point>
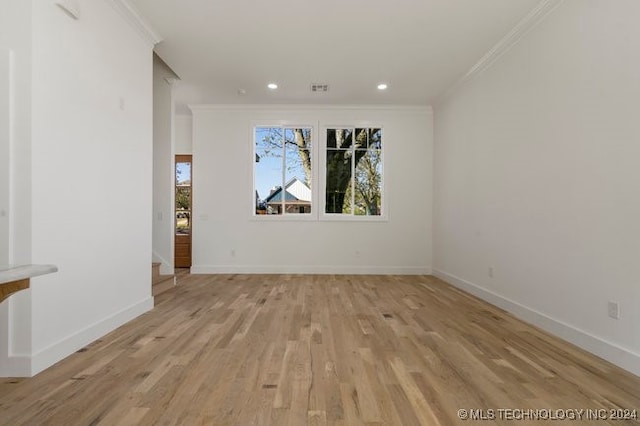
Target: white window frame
<point>313,216</point>
<point>322,176</point>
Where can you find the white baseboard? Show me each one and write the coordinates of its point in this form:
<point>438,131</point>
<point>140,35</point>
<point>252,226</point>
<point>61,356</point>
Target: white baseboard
<point>622,357</point>
<point>47,357</point>
<point>11,364</point>
<point>16,366</point>
<point>310,269</point>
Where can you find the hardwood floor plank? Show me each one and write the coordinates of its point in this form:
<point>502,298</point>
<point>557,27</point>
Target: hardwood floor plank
<point>315,350</point>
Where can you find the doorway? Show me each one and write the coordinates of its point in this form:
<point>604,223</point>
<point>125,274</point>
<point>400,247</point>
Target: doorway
<point>183,210</point>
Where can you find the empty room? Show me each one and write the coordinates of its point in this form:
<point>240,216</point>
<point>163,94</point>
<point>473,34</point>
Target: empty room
<point>297,212</point>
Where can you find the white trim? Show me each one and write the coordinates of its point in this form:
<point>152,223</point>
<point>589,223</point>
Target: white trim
<point>69,7</point>
<point>12,158</point>
<point>344,217</point>
<point>311,269</point>
<point>50,355</point>
<point>289,217</point>
<point>285,124</point>
<point>513,37</point>
<point>622,357</point>
<point>166,268</point>
<point>136,21</point>
<point>322,175</point>
<point>170,269</point>
<point>308,107</point>
<point>6,57</point>
<point>16,366</point>
<point>11,364</point>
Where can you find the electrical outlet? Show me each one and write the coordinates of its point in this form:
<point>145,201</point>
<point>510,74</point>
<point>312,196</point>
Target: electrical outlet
<point>490,272</point>
<point>614,310</point>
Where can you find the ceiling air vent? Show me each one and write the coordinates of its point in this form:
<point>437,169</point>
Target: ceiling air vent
<point>319,87</point>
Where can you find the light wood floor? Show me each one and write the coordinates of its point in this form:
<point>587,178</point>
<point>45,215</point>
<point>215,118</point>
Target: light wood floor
<point>296,350</point>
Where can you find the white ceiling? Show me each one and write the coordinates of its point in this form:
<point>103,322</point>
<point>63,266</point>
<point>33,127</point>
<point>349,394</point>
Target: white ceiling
<point>419,47</point>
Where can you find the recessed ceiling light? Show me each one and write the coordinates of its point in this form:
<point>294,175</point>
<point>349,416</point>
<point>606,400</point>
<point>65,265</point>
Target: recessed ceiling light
<point>382,86</point>
<point>272,86</point>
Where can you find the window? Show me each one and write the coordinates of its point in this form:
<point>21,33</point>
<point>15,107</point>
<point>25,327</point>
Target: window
<point>283,171</point>
<point>349,184</point>
<point>183,195</point>
<point>183,211</point>
<point>353,165</point>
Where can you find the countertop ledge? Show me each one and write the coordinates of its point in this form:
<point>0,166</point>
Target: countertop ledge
<point>10,273</point>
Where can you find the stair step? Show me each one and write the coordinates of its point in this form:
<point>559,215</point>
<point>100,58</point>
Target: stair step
<point>155,270</point>
<point>166,284</point>
<point>161,278</point>
<point>160,283</point>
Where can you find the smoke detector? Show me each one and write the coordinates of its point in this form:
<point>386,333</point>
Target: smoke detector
<point>315,87</point>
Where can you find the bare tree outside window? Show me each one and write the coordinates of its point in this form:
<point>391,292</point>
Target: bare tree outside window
<point>354,172</point>
<point>284,171</point>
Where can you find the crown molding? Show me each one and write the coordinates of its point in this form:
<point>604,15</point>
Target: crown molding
<point>136,21</point>
<point>308,107</point>
<point>529,22</point>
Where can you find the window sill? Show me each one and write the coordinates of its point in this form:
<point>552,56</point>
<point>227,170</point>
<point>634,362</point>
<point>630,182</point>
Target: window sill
<point>284,218</point>
<point>327,217</point>
<point>314,218</point>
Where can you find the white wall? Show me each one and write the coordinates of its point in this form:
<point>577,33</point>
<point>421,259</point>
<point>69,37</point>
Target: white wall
<point>183,134</point>
<point>90,177</point>
<point>163,163</point>
<point>226,237</point>
<point>5,116</point>
<point>15,312</point>
<point>537,177</point>
<point>15,36</point>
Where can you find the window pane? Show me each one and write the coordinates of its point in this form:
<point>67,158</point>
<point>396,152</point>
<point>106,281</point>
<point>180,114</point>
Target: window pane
<point>362,138</point>
<point>183,198</point>
<point>183,174</point>
<point>375,138</point>
<point>183,210</point>
<point>283,170</point>
<point>183,222</point>
<point>368,184</point>
<point>268,170</point>
<point>338,176</point>
<point>297,180</point>
<point>354,171</point>
<point>339,138</point>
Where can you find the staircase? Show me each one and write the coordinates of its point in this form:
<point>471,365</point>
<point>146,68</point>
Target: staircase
<point>160,283</point>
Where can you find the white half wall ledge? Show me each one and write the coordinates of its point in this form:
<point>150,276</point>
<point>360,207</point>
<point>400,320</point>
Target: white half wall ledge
<point>9,273</point>
<point>309,269</point>
<point>622,357</point>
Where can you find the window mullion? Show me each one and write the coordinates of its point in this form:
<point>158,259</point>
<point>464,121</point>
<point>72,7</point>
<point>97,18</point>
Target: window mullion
<point>284,172</point>
<point>353,172</point>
